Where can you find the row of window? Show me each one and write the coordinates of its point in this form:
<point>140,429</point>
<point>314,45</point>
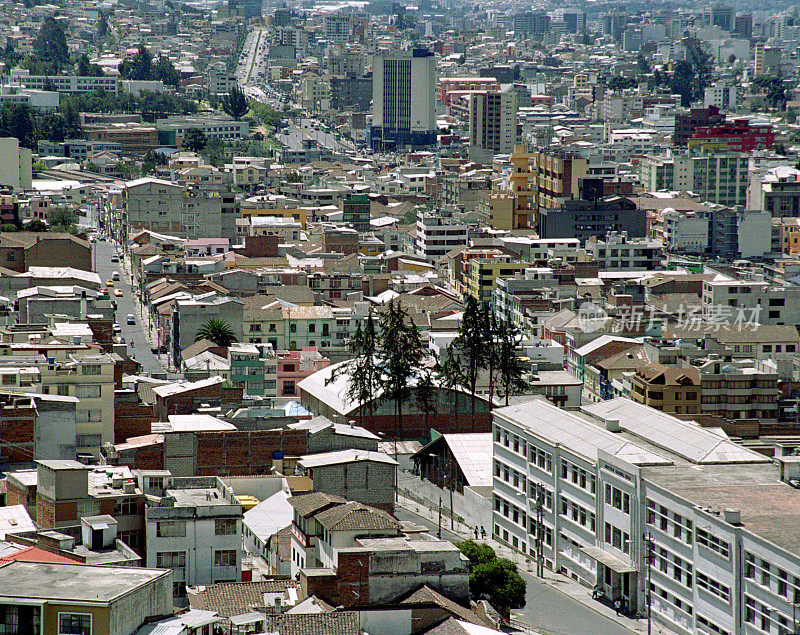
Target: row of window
<point>578,476</point>
<point>762,617</point>
<point>722,547</point>
<point>176,560</point>
<point>762,572</point>
<point>679,527</point>
<point>681,570</point>
<point>714,587</point>
<point>579,514</point>
<point>617,538</point>
<point>177,528</point>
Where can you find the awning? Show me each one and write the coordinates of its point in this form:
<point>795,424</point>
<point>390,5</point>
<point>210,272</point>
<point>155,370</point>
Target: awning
<point>612,562</point>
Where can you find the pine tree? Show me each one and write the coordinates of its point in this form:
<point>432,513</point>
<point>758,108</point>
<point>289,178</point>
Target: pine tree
<point>400,354</point>
<point>361,371</point>
<point>472,347</point>
<point>509,363</point>
<point>235,103</point>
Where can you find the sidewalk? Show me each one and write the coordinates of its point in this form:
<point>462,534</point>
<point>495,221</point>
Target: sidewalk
<point>561,583</point>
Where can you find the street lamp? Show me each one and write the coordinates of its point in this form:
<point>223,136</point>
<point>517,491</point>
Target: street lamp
<point>450,484</point>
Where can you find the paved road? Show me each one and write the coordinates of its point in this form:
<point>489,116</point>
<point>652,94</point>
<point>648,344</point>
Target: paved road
<point>103,251</point>
<point>546,608</point>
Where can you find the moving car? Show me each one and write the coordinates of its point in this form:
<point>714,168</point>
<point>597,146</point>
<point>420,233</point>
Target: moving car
<point>115,276</point>
<point>130,319</point>
<point>109,283</point>
<point>114,258</point>
<point>118,292</point>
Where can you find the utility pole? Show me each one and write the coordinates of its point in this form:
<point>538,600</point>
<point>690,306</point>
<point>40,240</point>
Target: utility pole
<point>439,532</point>
<point>648,545</point>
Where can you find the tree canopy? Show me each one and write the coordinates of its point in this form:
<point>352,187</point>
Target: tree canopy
<point>50,51</point>
<point>217,331</point>
<point>141,67</point>
<point>235,103</point>
<point>494,579</point>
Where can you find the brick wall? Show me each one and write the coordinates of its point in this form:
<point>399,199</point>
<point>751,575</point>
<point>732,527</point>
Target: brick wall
<point>245,452</point>
<point>348,587</point>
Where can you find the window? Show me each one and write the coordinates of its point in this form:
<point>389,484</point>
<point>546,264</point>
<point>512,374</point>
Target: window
<point>125,507</point>
<point>713,587</point>
<point>171,560</point>
<point>225,526</point>
<point>91,369</point>
<point>171,529</point>
<point>713,543</point>
<point>87,391</point>
<point>74,624</point>
<point>62,391</point>
<point>288,388</point>
<point>226,558</point>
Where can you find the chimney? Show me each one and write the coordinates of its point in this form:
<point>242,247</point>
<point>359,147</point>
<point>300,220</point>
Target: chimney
<point>732,516</point>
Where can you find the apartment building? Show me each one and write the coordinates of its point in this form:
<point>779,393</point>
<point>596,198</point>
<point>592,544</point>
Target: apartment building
<point>618,252</point>
<point>727,300</point>
<point>492,122</point>
<point>483,273</point>
<point>15,164</point>
<point>630,496</point>
<point>66,83</point>
<point>675,391</point>
<point>88,377</point>
<point>188,212</point>
<point>737,390</point>
<point>437,234</point>
<point>254,369</point>
<point>220,127</point>
<point>194,529</point>
<point>776,191</point>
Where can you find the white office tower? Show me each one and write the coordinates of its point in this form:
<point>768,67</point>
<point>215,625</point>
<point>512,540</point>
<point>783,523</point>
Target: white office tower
<point>403,100</point>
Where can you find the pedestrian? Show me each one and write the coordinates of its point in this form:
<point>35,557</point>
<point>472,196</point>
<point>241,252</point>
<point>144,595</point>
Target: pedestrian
<point>617,605</point>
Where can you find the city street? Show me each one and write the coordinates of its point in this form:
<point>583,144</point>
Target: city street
<point>138,344</point>
<point>547,609</point>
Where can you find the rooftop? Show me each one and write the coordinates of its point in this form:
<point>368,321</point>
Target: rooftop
<point>72,583</point>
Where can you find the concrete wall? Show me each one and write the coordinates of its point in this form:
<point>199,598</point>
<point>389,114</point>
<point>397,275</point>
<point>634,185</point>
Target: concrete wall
<point>55,430</point>
<point>472,508</point>
<point>152,599</point>
<point>364,481</point>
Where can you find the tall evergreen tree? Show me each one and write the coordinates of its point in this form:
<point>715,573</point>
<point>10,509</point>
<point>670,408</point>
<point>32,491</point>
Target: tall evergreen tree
<point>361,371</point>
<point>50,46</point>
<point>472,346</point>
<point>509,359</point>
<point>400,354</point>
<point>235,103</point>
<point>425,395</point>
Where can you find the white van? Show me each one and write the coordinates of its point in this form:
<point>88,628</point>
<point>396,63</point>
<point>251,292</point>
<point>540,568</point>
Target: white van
<point>115,276</point>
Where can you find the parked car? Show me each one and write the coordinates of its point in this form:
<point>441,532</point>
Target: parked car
<point>130,319</point>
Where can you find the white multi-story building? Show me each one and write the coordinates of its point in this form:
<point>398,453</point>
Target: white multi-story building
<point>631,497</point>
<point>493,121</point>
<point>195,529</point>
<point>403,100</point>
<point>65,83</point>
<point>618,252</point>
<point>685,231</point>
<point>720,95</point>
<point>436,235</point>
<point>725,299</point>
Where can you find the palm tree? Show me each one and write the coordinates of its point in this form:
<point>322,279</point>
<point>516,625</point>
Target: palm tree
<point>217,331</point>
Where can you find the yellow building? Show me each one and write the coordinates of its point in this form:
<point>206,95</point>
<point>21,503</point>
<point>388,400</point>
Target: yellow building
<point>369,245</point>
<point>273,206</point>
<point>790,235</point>
<point>499,207</point>
<point>521,181</point>
<point>483,273</point>
<point>675,391</point>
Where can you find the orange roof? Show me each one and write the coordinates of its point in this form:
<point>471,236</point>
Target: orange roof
<point>35,554</point>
